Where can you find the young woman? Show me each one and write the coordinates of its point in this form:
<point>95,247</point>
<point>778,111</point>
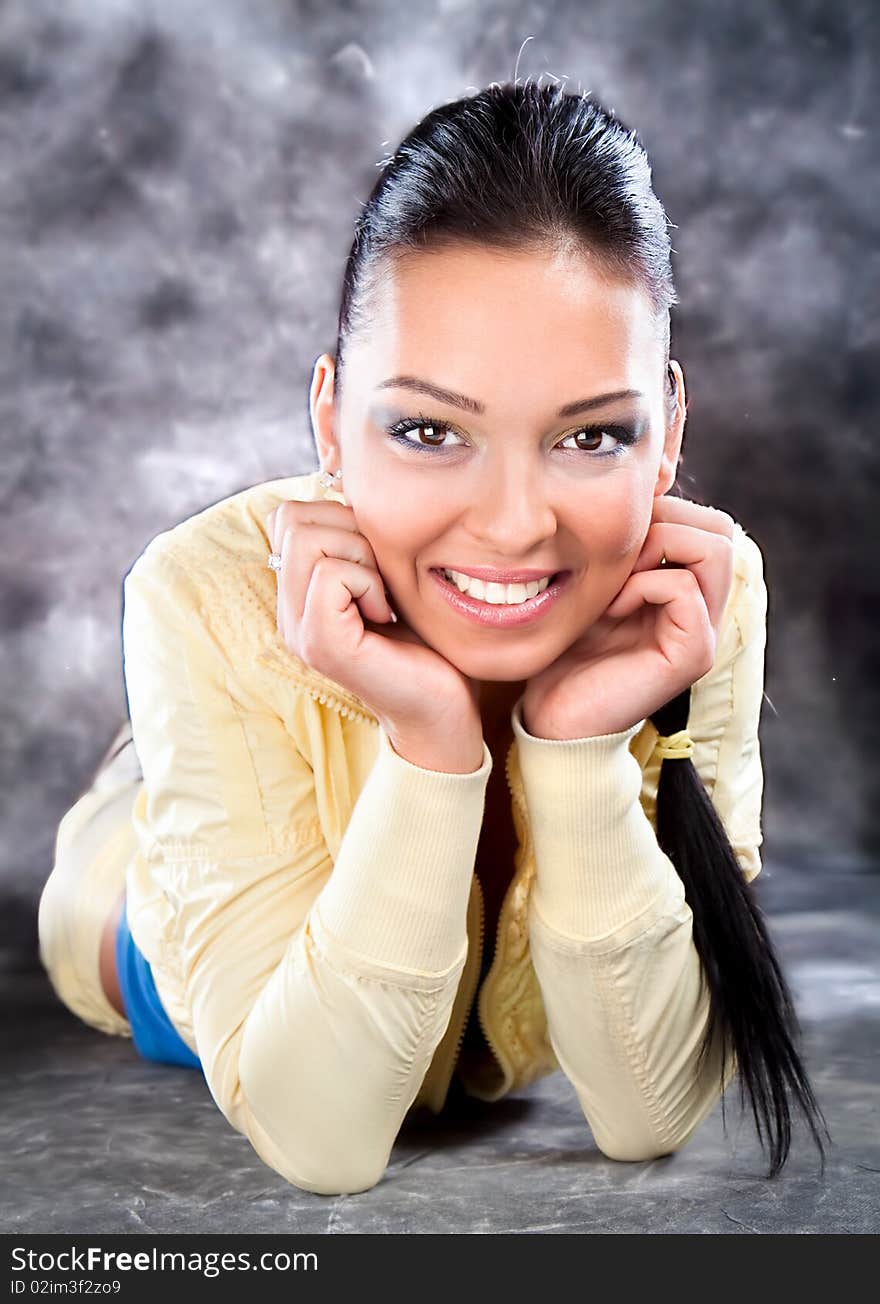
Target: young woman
<point>465,783</point>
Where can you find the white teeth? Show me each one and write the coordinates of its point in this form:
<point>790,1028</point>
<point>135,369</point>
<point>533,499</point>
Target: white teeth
<point>497,594</point>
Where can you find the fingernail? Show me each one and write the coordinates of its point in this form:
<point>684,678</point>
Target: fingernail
<point>393,617</point>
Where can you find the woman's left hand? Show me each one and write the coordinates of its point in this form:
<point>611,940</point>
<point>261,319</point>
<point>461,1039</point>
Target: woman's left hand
<point>656,638</point>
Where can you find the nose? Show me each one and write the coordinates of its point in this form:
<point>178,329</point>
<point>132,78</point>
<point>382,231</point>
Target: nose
<point>511,516</point>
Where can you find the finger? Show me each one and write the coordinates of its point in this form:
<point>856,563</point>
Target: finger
<point>285,520</point>
<point>674,588</point>
<point>707,554</point>
<point>341,598</point>
<point>303,547</point>
<point>295,512</point>
<point>684,618</point>
<point>684,512</point>
<point>303,533</point>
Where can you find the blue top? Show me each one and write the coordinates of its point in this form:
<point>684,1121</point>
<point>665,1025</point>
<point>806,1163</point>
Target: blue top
<point>152,1031</point>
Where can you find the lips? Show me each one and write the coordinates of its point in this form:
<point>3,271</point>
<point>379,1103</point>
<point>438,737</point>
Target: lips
<point>502,615</point>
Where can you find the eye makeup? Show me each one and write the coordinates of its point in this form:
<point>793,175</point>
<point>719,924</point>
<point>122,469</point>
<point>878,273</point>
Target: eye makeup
<point>624,434</point>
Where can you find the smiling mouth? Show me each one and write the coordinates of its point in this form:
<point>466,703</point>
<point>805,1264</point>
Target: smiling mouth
<point>504,614</point>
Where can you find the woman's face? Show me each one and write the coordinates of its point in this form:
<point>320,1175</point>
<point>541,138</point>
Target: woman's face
<point>503,481</point>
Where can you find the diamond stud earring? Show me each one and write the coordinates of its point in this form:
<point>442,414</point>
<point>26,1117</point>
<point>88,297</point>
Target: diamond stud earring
<point>328,479</point>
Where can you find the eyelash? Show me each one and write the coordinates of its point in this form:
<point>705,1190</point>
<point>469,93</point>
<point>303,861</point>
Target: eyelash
<point>398,432</point>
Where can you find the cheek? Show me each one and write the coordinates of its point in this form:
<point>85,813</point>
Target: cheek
<point>613,532</point>
<point>394,528</point>
<point>633,528</point>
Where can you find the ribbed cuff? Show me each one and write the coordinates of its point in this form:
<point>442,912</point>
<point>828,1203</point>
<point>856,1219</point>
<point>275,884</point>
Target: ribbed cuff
<point>598,864</point>
<point>399,889</point>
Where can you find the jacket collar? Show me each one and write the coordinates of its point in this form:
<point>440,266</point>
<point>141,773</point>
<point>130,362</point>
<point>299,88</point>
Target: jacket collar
<point>298,675</point>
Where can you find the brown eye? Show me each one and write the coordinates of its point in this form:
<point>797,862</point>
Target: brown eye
<point>589,439</point>
<point>437,433</point>
<point>433,432</point>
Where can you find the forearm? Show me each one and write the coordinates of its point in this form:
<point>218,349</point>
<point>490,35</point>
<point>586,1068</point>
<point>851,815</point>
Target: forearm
<point>399,890</point>
<point>600,871</point>
<point>320,998</point>
<point>332,1057</point>
<point>611,941</point>
<point>626,1024</point>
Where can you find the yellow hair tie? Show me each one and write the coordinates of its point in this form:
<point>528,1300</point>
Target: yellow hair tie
<point>675,747</point>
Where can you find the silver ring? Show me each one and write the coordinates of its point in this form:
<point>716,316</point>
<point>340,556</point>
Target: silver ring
<point>274,562</point>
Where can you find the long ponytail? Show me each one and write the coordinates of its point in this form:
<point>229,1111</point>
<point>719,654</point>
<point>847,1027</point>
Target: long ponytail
<point>751,1008</point>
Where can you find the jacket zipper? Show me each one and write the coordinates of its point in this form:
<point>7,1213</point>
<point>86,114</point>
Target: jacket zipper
<point>475,983</point>
<point>490,1043</point>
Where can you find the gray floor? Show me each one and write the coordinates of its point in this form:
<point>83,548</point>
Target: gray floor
<point>96,1140</point>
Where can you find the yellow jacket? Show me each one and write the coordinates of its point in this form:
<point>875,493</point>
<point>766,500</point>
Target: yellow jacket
<point>307,898</point>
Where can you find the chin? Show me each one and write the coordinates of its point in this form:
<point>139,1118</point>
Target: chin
<point>488,670</point>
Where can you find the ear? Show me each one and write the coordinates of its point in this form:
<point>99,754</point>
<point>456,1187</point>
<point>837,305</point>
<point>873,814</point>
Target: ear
<point>323,412</point>
<point>671,456</point>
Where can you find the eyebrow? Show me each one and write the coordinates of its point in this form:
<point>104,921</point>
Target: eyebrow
<point>477,408</point>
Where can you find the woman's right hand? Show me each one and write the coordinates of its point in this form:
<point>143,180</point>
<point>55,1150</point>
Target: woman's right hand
<point>329,594</point>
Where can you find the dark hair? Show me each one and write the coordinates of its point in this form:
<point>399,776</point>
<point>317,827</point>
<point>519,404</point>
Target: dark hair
<point>519,167</point>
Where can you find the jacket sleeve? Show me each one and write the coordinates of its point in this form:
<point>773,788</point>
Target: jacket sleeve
<point>318,992</point>
<point>610,931</point>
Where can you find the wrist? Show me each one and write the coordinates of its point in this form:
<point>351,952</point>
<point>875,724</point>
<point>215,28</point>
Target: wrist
<point>598,862</point>
<point>459,754</point>
<point>550,730</point>
<point>541,728</point>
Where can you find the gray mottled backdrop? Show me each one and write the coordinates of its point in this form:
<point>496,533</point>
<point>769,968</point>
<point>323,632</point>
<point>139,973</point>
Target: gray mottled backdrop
<point>179,183</point>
